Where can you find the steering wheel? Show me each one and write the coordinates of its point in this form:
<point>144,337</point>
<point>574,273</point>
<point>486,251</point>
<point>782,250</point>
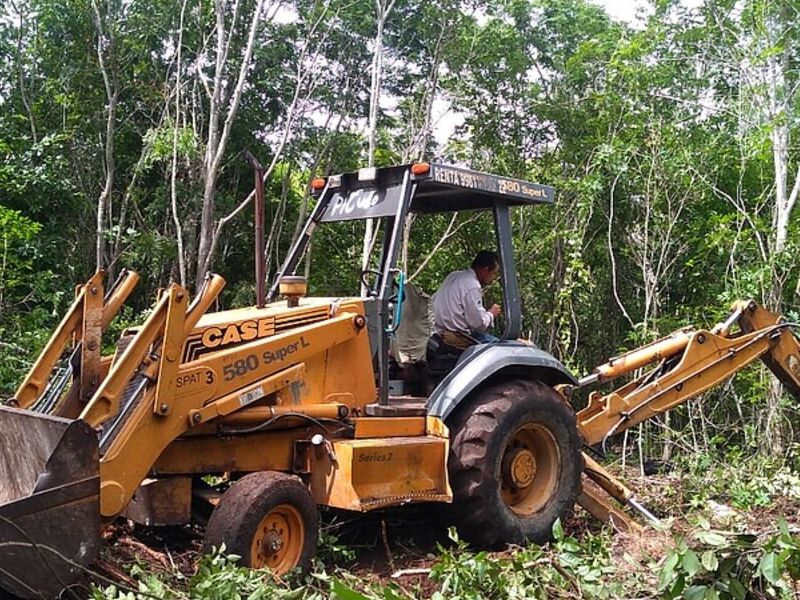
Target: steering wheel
<point>378,274</point>
<point>365,280</point>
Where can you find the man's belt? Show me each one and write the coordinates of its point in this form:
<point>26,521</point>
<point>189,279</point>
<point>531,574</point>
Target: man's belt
<point>459,340</point>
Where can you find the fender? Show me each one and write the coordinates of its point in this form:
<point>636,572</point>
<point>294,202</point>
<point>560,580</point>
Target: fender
<point>480,363</point>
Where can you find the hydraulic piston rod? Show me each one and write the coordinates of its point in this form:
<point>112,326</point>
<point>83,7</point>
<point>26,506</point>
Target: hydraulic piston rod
<point>636,359</point>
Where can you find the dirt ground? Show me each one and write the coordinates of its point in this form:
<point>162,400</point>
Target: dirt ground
<point>399,544</point>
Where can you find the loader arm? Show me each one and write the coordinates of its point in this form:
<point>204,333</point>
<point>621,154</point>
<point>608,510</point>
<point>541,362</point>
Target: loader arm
<point>149,398</point>
<point>144,430</point>
<point>84,323</point>
<point>65,478</point>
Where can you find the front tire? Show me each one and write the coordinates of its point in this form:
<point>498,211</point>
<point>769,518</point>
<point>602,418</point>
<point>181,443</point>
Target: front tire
<point>267,518</point>
<point>515,463</point>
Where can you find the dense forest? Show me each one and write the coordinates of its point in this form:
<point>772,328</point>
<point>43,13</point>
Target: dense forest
<point>671,143</point>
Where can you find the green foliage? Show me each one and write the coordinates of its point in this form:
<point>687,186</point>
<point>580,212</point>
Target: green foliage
<point>708,563</point>
<point>722,565</point>
<point>571,567</point>
<point>218,577</point>
<point>160,142</point>
<point>17,255</point>
<point>589,562</point>
<point>738,479</point>
<point>331,551</point>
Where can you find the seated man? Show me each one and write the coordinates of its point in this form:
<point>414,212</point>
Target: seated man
<point>458,313</point>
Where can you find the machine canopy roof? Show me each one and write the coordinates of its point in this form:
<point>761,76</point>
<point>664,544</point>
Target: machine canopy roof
<point>375,193</point>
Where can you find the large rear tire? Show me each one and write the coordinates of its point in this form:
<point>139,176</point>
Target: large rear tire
<point>267,518</point>
<point>515,463</point>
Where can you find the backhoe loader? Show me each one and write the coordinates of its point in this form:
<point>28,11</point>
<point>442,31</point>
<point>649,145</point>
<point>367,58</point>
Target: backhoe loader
<point>300,402</point>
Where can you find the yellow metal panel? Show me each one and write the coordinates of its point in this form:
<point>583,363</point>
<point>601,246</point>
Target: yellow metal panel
<point>375,473</point>
<point>311,389</point>
<point>236,327</point>
<point>348,367</point>
<point>247,395</point>
<point>91,335</point>
<point>265,451</point>
<point>122,469</point>
<point>165,501</point>
<point>603,509</point>
<point>105,402</point>
<point>241,366</point>
<point>199,383</point>
<point>292,416</point>
<point>373,427</point>
<point>120,292</point>
<point>34,383</point>
<point>435,426</point>
<point>171,343</point>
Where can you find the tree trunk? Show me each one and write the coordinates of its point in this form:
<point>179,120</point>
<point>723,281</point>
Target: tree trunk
<point>382,9</point>
<point>174,167</point>
<point>779,106</point>
<point>218,139</point>
<point>112,96</point>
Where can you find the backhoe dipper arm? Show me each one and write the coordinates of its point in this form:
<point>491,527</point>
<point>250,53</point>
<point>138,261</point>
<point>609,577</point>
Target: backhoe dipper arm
<point>783,359</point>
<point>690,362</point>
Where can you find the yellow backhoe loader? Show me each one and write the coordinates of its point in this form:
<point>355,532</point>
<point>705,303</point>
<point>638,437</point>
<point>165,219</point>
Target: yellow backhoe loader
<point>301,402</point>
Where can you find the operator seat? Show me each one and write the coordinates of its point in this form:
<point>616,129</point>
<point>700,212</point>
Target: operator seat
<point>420,358</point>
<point>441,357</point>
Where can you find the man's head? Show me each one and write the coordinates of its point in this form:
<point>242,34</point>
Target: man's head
<point>486,266</point>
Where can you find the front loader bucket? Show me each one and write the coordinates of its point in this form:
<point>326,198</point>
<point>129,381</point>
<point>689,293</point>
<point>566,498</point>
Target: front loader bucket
<point>49,502</point>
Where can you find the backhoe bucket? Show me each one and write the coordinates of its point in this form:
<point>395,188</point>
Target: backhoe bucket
<point>49,502</point>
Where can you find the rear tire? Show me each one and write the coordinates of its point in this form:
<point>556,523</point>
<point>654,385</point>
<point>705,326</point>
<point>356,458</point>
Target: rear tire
<point>515,463</point>
<point>267,518</point>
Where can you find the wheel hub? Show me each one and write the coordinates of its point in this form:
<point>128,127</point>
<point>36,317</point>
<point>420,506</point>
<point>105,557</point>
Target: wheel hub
<point>272,542</point>
<point>529,469</point>
<point>521,467</point>
<point>278,542</point>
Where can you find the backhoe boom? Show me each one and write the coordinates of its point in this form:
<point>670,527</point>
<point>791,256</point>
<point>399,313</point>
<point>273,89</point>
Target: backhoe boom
<point>689,363</point>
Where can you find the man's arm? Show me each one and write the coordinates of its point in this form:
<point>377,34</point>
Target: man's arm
<point>478,318</point>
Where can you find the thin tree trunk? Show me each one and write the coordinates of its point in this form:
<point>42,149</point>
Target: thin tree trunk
<point>21,76</point>
<point>779,104</point>
<point>209,232</point>
<point>382,11</point>
<point>174,170</point>
<point>212,145</point>
<point>112,95</point>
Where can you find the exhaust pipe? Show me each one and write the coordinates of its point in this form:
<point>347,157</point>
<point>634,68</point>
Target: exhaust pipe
<point>261,275</point>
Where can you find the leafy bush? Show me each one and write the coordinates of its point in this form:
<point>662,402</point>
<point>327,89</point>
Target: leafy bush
<point>218,577</point>
<point>570,569</point>
<point>743,483</point>
<point>723,565</point>
<point>710,564</point>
